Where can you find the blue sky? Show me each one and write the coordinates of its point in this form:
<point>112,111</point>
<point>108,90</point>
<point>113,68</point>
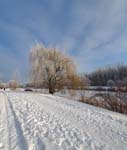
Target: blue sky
<point>92,32</point>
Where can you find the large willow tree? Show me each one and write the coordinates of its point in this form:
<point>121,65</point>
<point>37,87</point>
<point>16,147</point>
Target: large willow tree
<point>50,67</point>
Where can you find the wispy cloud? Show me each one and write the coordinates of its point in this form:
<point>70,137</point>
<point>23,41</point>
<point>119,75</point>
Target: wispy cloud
<point>93,32</point>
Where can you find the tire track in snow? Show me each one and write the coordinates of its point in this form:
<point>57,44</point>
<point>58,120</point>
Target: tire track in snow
<point>16,137</point>
<point>29,135</point>
<point>4,134</point>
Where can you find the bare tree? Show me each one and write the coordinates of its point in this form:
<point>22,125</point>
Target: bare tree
<point>13,84</point>
<point>1,85</point>
<point>16,76</point>
<point>83,84</point>
<point>125,83</point>
<point>50,67</point>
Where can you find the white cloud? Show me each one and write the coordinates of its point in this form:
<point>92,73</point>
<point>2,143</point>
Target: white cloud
<point>91,30</point>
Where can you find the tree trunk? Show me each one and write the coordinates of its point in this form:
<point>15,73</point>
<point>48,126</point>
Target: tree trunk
<point>51,90</point>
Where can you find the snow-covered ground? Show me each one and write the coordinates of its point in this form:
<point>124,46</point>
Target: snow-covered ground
<point>33,121</point>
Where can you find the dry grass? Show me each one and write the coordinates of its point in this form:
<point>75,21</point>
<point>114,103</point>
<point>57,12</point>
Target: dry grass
<point>115,102</point>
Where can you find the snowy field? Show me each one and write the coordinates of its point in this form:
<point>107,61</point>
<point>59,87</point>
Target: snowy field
<point>33,121</point>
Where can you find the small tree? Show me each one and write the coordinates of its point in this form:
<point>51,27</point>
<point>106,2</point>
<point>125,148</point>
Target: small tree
<point>13,84</point>
<point>78,83</point>
<point>125,83</point>
<point>1,85</point>
<point>50,67</point>
<point>83,83</point>
<point>110,83</point>
<point>73,81</point>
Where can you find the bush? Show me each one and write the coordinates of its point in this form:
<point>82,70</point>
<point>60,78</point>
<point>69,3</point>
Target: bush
<point>115,102</point>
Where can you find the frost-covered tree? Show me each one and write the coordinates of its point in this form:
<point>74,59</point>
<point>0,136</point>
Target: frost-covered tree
<point>13,84</point>
<point>50,67</point>
<point>110,83</point>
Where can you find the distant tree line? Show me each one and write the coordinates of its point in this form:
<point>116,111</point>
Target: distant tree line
<point>109,76</point>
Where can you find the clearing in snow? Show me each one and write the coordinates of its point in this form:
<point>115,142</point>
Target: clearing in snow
<point>32,121</point>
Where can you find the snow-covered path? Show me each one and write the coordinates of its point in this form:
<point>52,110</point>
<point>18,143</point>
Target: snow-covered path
<point>32,121</point>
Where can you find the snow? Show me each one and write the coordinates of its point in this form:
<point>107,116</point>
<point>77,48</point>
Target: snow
<point>34,121</point>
